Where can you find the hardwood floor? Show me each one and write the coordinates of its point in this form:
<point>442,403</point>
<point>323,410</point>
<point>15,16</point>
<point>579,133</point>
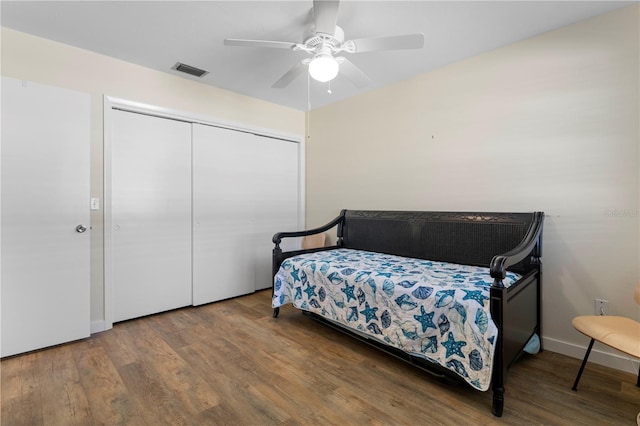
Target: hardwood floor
<point>231,363</point>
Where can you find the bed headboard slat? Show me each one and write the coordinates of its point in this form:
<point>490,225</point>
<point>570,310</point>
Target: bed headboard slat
<point>458,237</point>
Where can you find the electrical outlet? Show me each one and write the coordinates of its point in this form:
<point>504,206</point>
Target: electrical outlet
<point>601,307</point>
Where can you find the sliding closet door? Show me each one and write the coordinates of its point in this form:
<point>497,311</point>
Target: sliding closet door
<point>276,202</point>
<point>150,214</point>
<point>223,194</point>
<point>238,204</point>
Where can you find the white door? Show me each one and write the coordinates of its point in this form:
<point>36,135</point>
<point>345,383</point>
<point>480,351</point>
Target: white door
<point>45,207</point>
<point>150,214</point>
<point>224,163</point>
<point>245,189</point>
<point>276,202</point>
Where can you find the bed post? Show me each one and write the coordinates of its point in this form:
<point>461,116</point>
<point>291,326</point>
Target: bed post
<point>497,379</point>
<point>275,264</point>
<point>536,260</point>
<point>339,231</point>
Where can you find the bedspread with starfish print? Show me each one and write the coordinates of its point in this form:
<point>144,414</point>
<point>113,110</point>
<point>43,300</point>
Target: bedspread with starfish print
<point>436,310</point>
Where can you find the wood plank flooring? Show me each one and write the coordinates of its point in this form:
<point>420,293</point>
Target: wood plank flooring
<point>230,363</point>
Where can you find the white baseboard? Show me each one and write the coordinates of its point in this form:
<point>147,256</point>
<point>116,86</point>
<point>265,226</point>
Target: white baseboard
<point>618,360</point>
<point>98,326</point>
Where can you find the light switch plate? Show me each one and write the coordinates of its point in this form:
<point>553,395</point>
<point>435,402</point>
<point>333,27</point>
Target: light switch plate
<point>95,204</point>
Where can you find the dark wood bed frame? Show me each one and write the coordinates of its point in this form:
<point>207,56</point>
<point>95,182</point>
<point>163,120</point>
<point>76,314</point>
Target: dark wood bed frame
<point>499,241</point>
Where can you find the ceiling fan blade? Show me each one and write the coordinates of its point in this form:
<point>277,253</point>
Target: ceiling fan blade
<point>408,41</point>
<point>290,75</point>
<point>259,43</point>
<point>353,73</point>
<point>325,14</point>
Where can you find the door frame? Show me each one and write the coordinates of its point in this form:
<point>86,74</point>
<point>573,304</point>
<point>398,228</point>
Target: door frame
<point>109,104</point>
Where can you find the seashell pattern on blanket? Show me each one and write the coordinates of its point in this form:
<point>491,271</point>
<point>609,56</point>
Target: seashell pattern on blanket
<point>435,310</point>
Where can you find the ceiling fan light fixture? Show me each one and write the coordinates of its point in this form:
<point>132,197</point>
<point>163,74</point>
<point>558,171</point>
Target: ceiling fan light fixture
<point>323,68</point>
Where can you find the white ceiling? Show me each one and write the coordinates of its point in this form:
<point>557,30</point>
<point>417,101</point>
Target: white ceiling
<point>157,34</point>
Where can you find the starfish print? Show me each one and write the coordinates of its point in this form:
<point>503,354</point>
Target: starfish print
<point>475,295</point>
<point>348,291</point>
<point>369,312</point>
<point>311,291</point>
<point>426,319</point>
<point>294,274</point>
<point>453,347</point>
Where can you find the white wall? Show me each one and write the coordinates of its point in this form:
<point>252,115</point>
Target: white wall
<point>36,59</point>
<point>550,124</point>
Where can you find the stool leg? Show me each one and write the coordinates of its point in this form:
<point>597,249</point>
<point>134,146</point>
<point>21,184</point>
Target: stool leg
<point>584,362</point>
<point>638,382</point>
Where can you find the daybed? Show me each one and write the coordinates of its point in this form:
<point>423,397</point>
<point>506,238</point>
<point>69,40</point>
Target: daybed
<point>454,293</point>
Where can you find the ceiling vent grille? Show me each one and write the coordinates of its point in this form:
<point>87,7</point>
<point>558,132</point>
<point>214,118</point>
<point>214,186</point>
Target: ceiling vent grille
<point>188,69</point>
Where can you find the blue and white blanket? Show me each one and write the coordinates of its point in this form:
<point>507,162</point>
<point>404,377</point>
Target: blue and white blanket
<point>436,310</point>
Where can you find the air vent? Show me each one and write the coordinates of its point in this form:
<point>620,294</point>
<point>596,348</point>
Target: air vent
<point>189,69</point>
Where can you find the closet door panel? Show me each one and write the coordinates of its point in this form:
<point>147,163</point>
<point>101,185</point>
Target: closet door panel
<point>276,202</point>
<point>151,214</point>
<point>224,192</point>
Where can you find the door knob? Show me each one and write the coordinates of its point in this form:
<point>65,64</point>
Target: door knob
<point>80,229</point>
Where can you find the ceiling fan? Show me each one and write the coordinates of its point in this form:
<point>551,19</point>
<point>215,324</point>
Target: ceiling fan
<point>323,40</point>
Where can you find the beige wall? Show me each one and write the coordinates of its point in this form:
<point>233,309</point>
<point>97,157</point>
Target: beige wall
<point>550,124</point>
<point>32,58</point>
